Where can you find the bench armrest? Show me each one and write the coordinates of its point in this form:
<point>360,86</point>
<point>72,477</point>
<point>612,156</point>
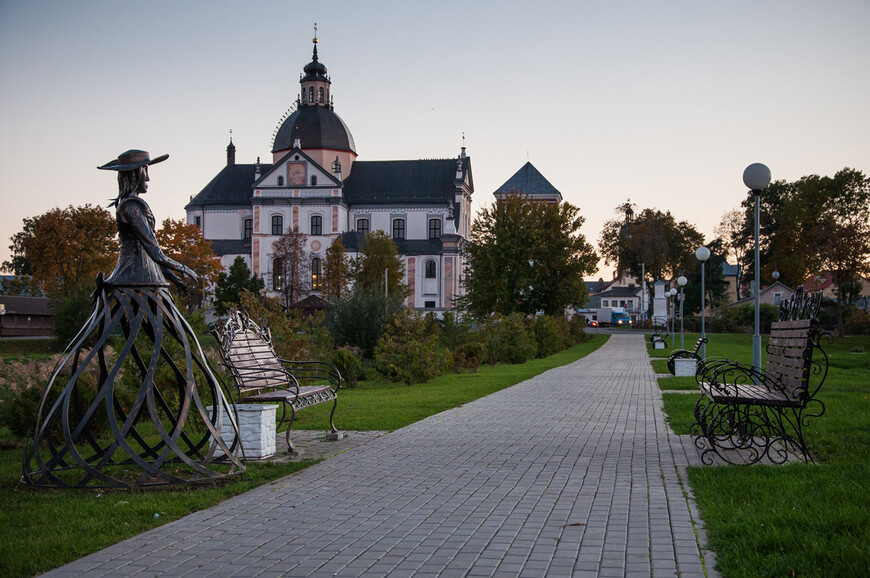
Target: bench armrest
<point>314,371</point>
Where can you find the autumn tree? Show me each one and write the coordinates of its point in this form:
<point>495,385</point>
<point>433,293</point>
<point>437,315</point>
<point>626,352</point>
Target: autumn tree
<point>232,283</point>
<point>379,259</point>
<point>526,257</point>
<point>185,243</point>
<point>63,250</point>
<point>291,267</point>
<point>337,272</point>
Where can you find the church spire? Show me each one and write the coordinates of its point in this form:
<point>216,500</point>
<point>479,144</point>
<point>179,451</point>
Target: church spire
<point>315,83</point>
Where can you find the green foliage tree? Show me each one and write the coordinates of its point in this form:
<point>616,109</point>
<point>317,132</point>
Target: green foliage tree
<point>651,238</point>
<point>379,261</point>
<point>715,285</point>
<point>811,226</point>
<point>735,240</point>
<point>409,351</point>
<point>231,284</point>
<point>526,256</point>
<point>358,318</point>
<point>337,272</point>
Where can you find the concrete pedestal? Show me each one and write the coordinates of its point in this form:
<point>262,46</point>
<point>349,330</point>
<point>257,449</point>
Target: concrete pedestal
<point>658,345</point>
<point>685,367</point>
<point>256,428</point>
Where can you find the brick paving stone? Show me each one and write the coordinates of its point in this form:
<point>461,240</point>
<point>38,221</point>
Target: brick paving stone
<point>573,472</point>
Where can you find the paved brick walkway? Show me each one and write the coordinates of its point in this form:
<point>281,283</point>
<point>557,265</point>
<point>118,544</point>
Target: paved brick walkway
<point>572,473</point>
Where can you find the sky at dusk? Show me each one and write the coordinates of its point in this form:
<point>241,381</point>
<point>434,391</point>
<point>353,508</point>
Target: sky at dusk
<point>663,102</point>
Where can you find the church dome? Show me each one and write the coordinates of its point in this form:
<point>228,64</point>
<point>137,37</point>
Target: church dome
<point>316,127</point>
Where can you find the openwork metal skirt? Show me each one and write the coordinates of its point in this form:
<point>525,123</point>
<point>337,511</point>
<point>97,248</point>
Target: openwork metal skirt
<point>133,402</point>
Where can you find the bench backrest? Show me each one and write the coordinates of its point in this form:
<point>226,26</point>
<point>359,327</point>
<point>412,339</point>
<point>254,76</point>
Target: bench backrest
<point>247,351</point>
<point>790,354</point>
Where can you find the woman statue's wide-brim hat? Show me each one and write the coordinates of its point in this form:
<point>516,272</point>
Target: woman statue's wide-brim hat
<point>132,159</point>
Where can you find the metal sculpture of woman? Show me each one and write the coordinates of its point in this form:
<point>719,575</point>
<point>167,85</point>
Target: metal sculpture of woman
<point>150,413</point>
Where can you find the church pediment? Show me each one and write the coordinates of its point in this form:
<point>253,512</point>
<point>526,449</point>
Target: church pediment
<point>296,171</point>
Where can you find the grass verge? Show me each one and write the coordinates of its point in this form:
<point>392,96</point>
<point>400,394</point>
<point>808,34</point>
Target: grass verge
<point>44,529</point>
<point>800,519</point>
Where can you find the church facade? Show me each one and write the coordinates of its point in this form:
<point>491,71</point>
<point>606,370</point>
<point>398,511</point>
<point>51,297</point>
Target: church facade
<point>315,185</point>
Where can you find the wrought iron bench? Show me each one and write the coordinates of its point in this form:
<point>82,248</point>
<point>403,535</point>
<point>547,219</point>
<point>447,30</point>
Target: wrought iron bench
<point>260,376</point>
<point>744,415</point>
<point>685,354</point>
<point>660,332</point>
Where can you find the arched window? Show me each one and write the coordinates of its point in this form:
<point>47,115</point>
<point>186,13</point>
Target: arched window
<point>398,228</point>
<point>316,281</point>
<point>248,229</point>
<point>316,225</point>
<point>280,181</point>
<point>277,225</point>
<point>310,94</point>
<point>430,269</point>
<point>313,180</point>
<point>362,225</point>
<point>434,228</point>
<point>278,275</point>
<point>320,94</point>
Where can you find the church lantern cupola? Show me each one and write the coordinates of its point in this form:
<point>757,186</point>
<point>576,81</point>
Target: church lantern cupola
<point>315,83</point>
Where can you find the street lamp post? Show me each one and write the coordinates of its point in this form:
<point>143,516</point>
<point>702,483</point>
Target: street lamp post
<point>673,311</point>
<point>681,281</point>
<point>757,177</point>
<point>702,254</point>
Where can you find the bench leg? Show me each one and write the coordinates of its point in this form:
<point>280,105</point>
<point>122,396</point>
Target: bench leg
<point>745,433</point>
<point>290,447</point>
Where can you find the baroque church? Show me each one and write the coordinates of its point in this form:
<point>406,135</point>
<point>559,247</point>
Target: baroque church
<point>316,185</point>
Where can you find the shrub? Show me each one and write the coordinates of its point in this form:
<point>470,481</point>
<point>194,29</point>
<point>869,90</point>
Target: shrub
<point>856,322</point>
<point>547,336</point>
<point>407,353</point>
<point>348,366</point>
<point>359,318</point>
<point>741,318</point>
<point>467,357</point>
<point>70,314</point>
<point>456,329</point>
<point>507,339</point>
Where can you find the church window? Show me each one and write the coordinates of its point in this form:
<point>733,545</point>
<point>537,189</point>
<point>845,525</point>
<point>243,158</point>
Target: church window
<point>198,222</point>
<point>313,180</point>
<point>430,269</point>
<point>362,225</point>
<point>320,94</point>
<point>310,94</point>
<point>434,228</point>
<point>316,225</point>
<point>316,280</point>
<point>280,181</point>
<point>277,225</point>
<point>248,229</point>
<point>278,275</point>
<point>398,228</point>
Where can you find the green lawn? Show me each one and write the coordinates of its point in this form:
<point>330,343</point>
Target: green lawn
<point>44,529</point>
<point>800,519</point>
